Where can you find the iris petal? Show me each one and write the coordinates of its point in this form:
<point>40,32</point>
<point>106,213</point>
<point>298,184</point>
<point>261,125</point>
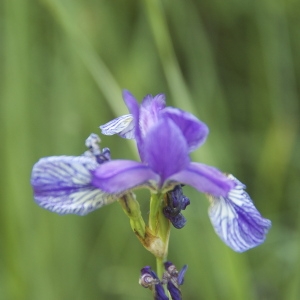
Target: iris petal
<point>236,220</point>
<point>205,179</point>
<point>194,131</point>
<point>62,184</point>
<point>132,106</point>
<point>134,109</point>
<point>165,149</point>
<point>123,126</point>
<point>119,176</point>
<point>155,103</point>
<point>150,111</point>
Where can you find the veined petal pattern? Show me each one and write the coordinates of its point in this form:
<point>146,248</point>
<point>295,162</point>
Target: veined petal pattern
<point>62,184</point>
<point>236,220</point>
<point>123,126</point>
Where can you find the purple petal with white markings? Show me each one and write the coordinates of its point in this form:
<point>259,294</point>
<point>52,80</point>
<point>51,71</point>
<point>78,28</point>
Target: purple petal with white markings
<point>123,126</point>
<point>236,220</point>
<point>119,176</point>
<point>194,131</point>
<point>205,179</point>
<point>62,184</point>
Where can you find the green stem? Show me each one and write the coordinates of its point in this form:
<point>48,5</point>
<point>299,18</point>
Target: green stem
<point>159,267</point>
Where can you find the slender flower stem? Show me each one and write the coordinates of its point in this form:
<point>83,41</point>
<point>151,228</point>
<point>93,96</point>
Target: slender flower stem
<point>159,267</point>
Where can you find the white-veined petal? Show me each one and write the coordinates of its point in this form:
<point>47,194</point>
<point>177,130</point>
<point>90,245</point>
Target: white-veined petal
<point>123,126</point>
<point>62,184</point>
<point>236,220</point>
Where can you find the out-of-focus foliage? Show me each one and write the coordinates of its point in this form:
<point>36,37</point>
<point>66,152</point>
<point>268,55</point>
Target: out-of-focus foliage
<point>235,64</point>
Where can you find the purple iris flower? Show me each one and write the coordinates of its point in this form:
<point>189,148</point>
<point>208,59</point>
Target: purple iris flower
<point>165,136</point>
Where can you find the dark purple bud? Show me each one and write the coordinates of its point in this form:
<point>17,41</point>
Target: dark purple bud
<point>176,202</point>
<point>168,265</point>
<point>185,202</point>
<point>160,293</point>
<point>104,156</point>
<point>150,280</point>
<point>178,221</point>
<point>147,270</point>
<point>92,142</point>
<point>181,274</point>
<point>174,279</point>
<point>174,291</point>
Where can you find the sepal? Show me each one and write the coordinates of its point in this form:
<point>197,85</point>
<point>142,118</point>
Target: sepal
<point>62,184</point>
<point>236,220</point>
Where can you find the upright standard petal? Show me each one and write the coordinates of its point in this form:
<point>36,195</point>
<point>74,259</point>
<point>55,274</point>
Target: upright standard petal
<point>150,109</point>
<point>236,220</point>
<point>123,126</point>
<point>134,109</point>
<point>194,131</point>
<point>205,179</point>
<point>119,176</point>
<point>166,150</point>
<point>155,103</point>
<point>62,184</point>
<point>132,106</point>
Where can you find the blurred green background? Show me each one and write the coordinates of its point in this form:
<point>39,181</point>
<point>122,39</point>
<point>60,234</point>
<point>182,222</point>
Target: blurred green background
<point>234,64</point>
